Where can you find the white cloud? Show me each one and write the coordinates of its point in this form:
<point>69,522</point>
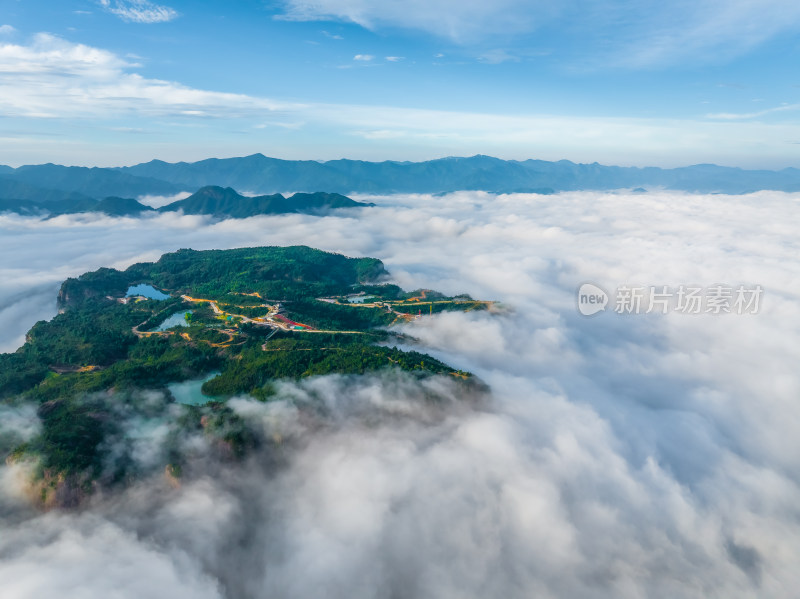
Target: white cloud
<point>395,58</point>
<point>55,78</point>
<point>734,116</point>
<point>158,201</point>
<point>7,30</point>
<point>363,57</point>
<point>706,32</point>
<point>457,19</point>
<point>552,137</point>
<point>139,11</point>
<point>74,548</point>
<point>498,56</point>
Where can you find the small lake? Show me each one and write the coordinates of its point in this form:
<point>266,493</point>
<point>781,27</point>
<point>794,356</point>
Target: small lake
<point>188,392</point>
<point>360,299</point>
<point>147,291</point>
<point>176,320</point>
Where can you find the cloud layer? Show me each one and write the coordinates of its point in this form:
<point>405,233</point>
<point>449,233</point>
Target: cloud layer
<point>617,456</point>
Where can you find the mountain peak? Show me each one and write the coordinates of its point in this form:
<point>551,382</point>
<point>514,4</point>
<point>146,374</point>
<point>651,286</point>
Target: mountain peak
<point>226,202</point>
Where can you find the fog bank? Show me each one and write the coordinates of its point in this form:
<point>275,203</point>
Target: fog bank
<point>621,455</point>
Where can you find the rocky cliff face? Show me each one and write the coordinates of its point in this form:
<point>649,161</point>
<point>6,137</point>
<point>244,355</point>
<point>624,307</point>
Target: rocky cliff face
<point>72,293</point>
<point>100,283</point>
<point>63,297</point>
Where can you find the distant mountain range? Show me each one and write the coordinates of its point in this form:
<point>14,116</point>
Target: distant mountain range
<point>258,174</point>
<point>210,200</point>
<point>78,181</point>
<point>261,174</point>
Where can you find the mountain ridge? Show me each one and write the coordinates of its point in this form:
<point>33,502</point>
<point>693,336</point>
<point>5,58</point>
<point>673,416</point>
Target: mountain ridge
<point>225,202</point>
<point>211,200</point>
<point>261,175</point>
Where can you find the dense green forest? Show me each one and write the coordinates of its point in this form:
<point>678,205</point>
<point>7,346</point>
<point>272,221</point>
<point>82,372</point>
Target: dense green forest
<point>254,315</point>
<point>279,273</point>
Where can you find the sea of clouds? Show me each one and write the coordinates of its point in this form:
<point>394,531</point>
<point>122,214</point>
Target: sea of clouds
<point>619,455</point>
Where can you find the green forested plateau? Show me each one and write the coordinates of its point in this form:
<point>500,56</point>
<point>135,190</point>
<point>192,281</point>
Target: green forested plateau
<point>245,306</point>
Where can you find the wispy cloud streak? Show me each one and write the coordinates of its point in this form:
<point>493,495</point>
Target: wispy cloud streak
<point>139,11</point>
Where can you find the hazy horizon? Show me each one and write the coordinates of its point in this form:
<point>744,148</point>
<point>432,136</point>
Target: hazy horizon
<point>395,160</point>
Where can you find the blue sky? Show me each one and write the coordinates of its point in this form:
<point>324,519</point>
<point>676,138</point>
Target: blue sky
<point>632,82</point>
